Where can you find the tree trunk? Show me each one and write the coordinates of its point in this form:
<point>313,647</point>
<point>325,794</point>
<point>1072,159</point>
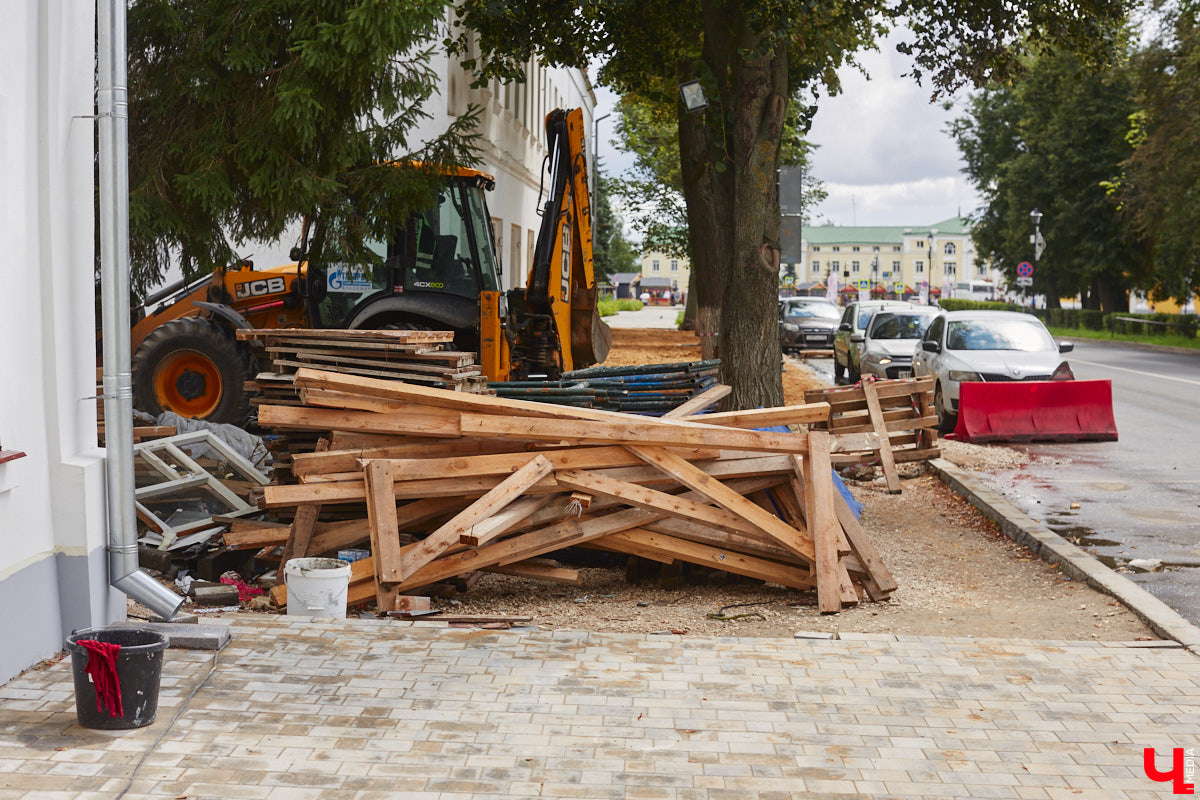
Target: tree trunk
<point>751,358</point>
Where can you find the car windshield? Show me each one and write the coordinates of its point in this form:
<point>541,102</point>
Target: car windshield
<point>900,326</point>
<point>998,334</point>
<point>809,310</point>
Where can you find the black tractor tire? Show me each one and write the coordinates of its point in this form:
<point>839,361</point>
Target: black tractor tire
<point>195,367</point>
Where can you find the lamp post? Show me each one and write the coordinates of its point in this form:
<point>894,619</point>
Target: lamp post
<point>874,274</point>
<point>1035,217</point>
<point>596,165</point>
<point>929,262</point>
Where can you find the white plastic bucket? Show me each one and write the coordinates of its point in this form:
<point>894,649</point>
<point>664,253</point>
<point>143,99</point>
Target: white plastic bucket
<point>316,587</point>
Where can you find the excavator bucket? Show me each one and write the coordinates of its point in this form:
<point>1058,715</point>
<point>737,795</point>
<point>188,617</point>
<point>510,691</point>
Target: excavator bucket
<point>1035,411</point>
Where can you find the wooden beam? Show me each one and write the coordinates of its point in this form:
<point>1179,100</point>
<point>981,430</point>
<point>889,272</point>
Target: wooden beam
<point>816,472</point>
<point>417,420</point>
<point>301,531</point>
<point>862,546</point>
<point>710,396</point>
<point>541,570</point>
<point>445,537</point>
<point>885,446</point>
<point>652,500</point>
<point>630,431</point>
<point>714,490</point>
<point>504,521</point>
<point>766,417</point>
<point>384,529</point>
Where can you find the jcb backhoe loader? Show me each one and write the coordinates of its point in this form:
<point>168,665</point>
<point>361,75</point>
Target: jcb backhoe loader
<point>439,272</point>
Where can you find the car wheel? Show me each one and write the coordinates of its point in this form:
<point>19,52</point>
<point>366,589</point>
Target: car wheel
<point>947,420</point>
<point>839,372</point>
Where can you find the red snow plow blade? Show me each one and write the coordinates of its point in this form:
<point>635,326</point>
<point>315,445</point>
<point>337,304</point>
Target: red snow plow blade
<point>1035,411</point>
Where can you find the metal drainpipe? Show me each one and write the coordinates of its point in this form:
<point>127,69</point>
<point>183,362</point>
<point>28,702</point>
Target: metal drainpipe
<point>113,120</point>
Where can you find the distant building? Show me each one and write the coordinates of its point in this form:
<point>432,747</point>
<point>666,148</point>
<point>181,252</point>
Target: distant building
<point>939,258</point>
<point>668,275</point>
<point>624,285</point>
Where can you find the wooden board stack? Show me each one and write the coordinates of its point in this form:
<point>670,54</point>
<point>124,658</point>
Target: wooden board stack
<point>420,357</point>
<point>488,483</point>
<point>881,422</point>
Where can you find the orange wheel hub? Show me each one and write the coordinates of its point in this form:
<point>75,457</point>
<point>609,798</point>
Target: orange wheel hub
<point>188,383</point>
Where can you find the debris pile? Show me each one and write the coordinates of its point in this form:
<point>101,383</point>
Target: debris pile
<point>443,484</point>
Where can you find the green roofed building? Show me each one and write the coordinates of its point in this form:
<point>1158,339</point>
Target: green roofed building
<point>900,259</point>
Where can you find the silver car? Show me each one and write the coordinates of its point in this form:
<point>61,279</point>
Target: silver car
<point>891,336</point>
<point>986,346</point>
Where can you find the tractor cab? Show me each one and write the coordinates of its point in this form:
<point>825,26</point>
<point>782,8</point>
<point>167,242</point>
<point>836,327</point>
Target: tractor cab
<point>429,275</point>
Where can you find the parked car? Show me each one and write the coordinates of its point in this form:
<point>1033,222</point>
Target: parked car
<point>890,338</point>
<point>986,346</point>
<point>807,323</point>
<point>854,321</point>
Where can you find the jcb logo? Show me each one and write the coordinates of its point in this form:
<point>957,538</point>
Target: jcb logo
<point>259,288</point>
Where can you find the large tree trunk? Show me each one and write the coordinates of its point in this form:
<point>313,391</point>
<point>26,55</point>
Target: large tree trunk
<point>708,227</point>
<point>750,354</point>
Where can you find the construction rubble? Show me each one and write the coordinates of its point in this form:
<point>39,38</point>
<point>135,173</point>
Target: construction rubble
<point>426,485</point>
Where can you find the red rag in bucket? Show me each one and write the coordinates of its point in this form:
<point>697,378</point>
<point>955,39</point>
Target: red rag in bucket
<point>102,667</point>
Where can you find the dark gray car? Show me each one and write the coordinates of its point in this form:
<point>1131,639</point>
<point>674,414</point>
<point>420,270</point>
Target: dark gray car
<point>807,323</point>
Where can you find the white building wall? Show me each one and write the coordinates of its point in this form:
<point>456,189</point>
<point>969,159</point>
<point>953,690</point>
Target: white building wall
<point>53,570</point>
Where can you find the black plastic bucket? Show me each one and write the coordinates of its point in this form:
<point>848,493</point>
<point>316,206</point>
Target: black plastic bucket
<point>139,670</point>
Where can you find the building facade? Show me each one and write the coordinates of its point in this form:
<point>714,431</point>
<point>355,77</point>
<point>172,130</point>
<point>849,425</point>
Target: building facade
<point>938,259</point>
<point>665,275</point>
<point>53,563</point>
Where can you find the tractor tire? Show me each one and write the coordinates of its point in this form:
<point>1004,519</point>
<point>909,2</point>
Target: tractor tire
<point>194,367</point>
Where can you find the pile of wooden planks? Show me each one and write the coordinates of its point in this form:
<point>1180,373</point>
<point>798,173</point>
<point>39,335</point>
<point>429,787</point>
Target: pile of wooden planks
<point>452,483</point>
<point>881,422</point>
<point>417,357</point>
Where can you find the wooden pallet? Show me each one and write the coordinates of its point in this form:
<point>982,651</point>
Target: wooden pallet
<point>881,422</point>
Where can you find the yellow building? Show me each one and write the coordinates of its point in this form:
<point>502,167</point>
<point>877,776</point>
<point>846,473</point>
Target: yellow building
<point>938,258</point>
<point>665,276</point>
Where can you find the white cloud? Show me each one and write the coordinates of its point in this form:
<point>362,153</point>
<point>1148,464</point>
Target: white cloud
<point>917,202</point>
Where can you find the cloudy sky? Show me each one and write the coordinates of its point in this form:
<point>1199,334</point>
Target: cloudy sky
<point>884,153</point>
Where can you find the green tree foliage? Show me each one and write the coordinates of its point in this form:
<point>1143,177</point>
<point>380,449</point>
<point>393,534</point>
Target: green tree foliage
<point>246,115</point>
<point>610,251</point>
<point>753,58</point>
<point>1050,141</point>
<point>1161,184</point>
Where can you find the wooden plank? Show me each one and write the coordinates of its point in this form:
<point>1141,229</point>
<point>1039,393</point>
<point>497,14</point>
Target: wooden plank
<point>766,417</point>
<point>538,570</point>
<point>717,558</point>
<point>256,538</point>
<point>697,480</point>
<point>418,420</point>
<point>576,458</point>
<point>504,521</point>
<point>326,334</point>
<point>630,431</point>
<point>862,547</point>
<point>710,396</point>
<point>301,531</point>
<point>384,528</point>
<point>816,471</point>
<point>650,499</point>
<point>758,546</point>
<point>492,502</point>
<point>887,461</point>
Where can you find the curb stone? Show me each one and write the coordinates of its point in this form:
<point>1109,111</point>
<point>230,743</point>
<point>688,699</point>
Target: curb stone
<point>1074,562</point>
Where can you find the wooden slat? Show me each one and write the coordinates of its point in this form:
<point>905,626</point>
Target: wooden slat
<point>416,420</point>
<point>767,417</point>
<point>714,490</point>
<point>536,569</point>
<point>448,535</point>
<point>815,471</point>
<point>630,432</point>
<point>327,334</point>
<point>887,461</point>
<point>504,521</point>
<point>384,527</point>
<point>710,396</point>
<point>301,532</point>
<point>862,546</point>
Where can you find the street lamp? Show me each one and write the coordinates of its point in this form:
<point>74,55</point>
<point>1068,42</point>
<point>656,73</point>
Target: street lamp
<point>1035,217</point>
<point>596,165</point>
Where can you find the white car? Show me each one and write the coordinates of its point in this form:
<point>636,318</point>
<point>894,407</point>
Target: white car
<point>888,343</point>
<point>986,346</point>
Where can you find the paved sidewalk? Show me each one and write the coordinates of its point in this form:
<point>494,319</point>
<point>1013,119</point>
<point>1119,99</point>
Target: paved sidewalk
<point>646,317</point>
<point>369,709</point>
